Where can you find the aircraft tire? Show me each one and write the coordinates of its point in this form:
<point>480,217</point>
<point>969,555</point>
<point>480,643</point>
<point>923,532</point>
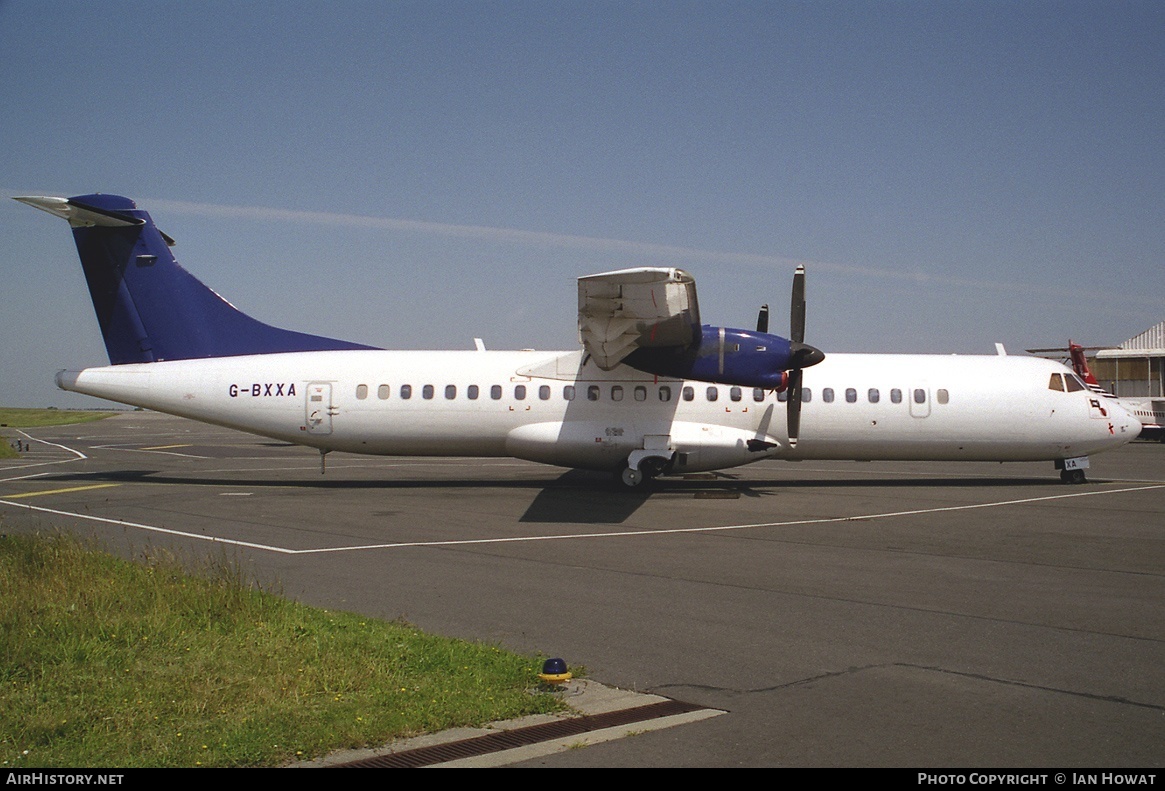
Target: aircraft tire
<point>1073,476</point>
<point>631,478</point>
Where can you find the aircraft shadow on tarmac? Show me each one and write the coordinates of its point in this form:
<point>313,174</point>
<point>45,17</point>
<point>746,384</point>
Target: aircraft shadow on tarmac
<point>576,496</point>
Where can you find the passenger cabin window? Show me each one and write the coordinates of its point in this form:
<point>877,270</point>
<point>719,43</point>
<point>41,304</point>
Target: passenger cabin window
<point>783,396</point>
<point>665,393</point>
<point>495,392</point>
<point>427,392</point>
<point>851,395</point>
<point>640,393</point>
<point>827,395</point>
<point>943,396</point>
<point>806,395</point>
<point>616,392</point>
<point>919,395</point>
<point>1056,383</point>
<point>689,393</point>
<point>568,392</point>
<point>520,392</point>
<point>735,394</point>
<point>471,392</point>
<point>896,396</point>
<point>362,392</point>
<point>544,392</point>
<point>593,393</point>
<point>382,392</point>
<point>406,392</point>
<point>712,393</point>
<point>450,392</point>
<point>874,395</point>
<point>758,394</point>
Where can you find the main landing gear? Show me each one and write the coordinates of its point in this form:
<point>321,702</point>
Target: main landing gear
<point>645,470</point>
<point>1073,476</point>
<point>631,478</point>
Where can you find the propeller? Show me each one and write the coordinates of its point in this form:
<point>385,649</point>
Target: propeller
<point>803,355</point>
<point>762,319</point>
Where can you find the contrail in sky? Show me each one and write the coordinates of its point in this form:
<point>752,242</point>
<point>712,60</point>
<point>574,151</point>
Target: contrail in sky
<point>507,235</point>
<point>673,253</point>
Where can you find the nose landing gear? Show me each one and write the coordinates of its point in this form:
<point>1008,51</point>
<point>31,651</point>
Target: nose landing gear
<point>1072,470</point>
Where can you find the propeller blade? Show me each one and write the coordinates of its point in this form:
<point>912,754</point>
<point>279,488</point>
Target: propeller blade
<point>802,354</point>
<point>762,319</point>
<point>797,308</point>
<point>793,407</point>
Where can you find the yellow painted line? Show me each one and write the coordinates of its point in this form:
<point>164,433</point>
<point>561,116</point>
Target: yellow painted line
<point>61,491</point>
<point>165,447</point>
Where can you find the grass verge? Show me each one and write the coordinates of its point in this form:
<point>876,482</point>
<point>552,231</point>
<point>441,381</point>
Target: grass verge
<point>105,662</point>
<point>31,418</point>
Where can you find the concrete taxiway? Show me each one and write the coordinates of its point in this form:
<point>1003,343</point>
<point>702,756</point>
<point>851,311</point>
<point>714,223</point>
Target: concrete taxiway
<point>841,614</point>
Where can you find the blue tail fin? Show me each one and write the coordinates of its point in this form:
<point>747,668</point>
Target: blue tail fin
<point>150,308</point>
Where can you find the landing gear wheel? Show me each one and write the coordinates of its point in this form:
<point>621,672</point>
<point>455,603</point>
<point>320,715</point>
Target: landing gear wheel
<point>631,477</point>
<point>1073,476</point>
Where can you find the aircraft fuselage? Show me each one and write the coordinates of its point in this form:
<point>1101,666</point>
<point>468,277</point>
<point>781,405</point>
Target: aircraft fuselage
<point>550,407</point>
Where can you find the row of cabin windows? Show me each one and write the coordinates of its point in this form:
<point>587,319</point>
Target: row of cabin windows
<point>639,393</point>
<point>874,395</point>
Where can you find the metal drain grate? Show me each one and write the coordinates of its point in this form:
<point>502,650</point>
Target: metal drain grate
<point>716,494</point>
<point>519,737</point>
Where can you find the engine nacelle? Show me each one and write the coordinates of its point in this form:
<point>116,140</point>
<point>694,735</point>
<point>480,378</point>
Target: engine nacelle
<point>725,356</point>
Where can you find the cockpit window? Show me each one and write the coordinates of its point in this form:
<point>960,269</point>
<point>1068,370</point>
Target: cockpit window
<point>1074,383</point>
<point>1056,383</point>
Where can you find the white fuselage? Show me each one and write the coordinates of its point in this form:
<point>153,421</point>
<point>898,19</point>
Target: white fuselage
<point>552,407</point>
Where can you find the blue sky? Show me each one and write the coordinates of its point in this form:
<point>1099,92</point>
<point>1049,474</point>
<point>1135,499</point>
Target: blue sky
<point>412,175</point>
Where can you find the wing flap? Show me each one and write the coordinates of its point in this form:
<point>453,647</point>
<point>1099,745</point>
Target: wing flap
<point>648,307</point>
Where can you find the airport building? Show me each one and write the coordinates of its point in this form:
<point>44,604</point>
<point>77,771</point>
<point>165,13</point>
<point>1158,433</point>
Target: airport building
<point>1136,368</point>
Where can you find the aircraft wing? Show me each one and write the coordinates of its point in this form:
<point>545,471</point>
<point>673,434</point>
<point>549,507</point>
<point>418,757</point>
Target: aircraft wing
<point>648,307</point>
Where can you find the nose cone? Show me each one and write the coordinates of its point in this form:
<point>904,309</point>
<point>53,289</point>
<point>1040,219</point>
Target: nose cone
<point>1125,424</point>
<point>1134,425</point>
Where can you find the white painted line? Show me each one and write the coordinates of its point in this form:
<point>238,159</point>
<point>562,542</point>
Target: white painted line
<point>25,477</point>
<point>570,536</point>
<point>150,528</point>
<point>78,453</point>
<point>722,528</point>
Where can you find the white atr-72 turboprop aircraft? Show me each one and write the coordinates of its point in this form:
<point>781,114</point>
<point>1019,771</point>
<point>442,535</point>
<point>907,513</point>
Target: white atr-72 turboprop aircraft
<point>652,392</point>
